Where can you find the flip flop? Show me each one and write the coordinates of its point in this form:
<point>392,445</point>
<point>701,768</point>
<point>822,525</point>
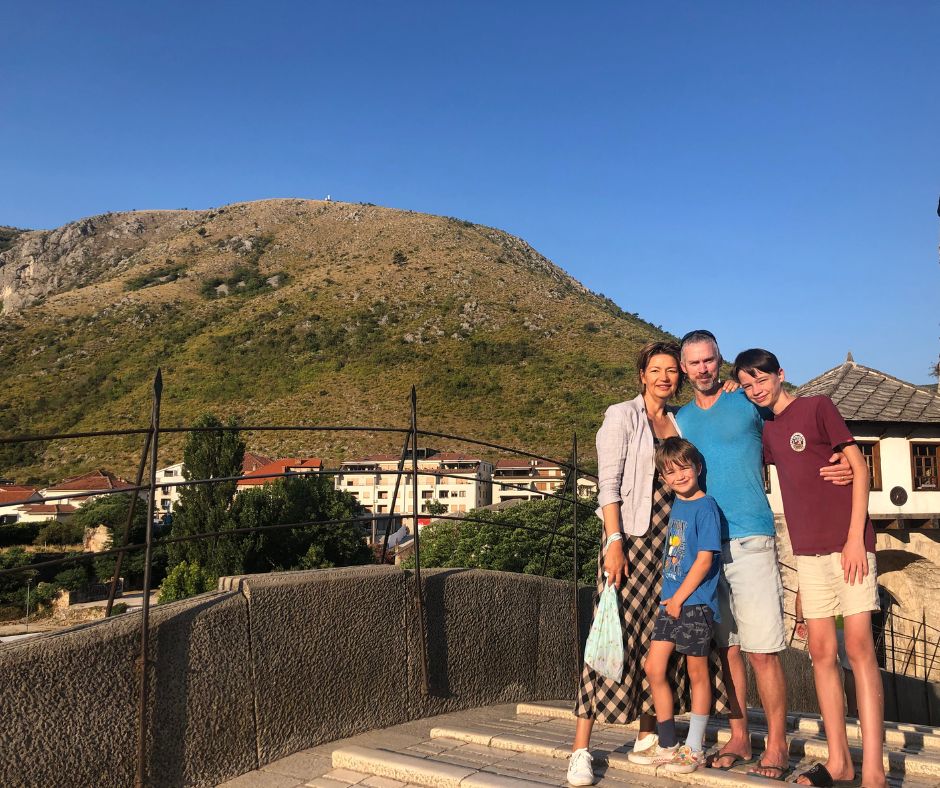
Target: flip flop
<point>783,771</point>
<point>736,760</point>
<point>818,775</point>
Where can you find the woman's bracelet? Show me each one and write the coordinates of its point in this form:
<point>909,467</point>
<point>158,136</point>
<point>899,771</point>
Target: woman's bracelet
<point>801,621</point>
<point>616,536</point>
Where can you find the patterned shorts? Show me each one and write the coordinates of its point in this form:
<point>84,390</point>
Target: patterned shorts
<point>691,632</point>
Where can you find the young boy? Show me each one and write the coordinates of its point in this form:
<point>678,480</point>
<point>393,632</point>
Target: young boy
<point>689,606</point>
<point>834,545</point>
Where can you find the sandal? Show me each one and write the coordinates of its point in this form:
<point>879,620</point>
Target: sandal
<point>782,771</point>
<point>818,775</point>
<point>736,760</point>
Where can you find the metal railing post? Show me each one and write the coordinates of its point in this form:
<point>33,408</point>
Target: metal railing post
<point>574,522</point>
<point>144,661</point>
<point>561,502</point>
<point>391,506</point>
<point>414,499</point>
<point>112,591</point>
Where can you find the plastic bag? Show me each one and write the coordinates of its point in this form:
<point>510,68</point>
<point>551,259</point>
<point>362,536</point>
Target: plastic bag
<point>603,651</point>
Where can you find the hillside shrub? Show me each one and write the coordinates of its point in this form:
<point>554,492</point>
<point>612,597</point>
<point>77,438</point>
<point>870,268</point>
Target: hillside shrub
<point>165,273</point>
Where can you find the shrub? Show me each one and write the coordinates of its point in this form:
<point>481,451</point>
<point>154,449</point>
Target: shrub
<point>55,532</point>
<point>184,580</point>
<point>18,533</point>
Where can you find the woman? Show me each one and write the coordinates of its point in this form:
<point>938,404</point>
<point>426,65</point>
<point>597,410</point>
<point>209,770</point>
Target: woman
<point>634,505</point>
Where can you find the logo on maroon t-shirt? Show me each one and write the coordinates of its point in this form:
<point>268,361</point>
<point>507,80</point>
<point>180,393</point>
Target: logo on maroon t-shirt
<point>797,441</point>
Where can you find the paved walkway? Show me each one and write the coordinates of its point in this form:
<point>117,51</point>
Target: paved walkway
<point>526,746</point>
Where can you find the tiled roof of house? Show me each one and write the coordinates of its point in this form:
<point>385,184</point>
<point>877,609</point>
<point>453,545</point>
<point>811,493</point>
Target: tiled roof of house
<point>10,493</point>
<point>252,461</point>
<point>523,464</point>
<point>283,465</point>
<point>48,508</point>
<point>864,394</point>
<point>96,480</point>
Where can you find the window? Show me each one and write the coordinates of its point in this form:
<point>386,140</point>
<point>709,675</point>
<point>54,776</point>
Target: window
<point>165,490</point>
<point>382,494</point>
<point>165,504</point>
<point>426,494</point>
<point>169,474</point>
<point>924,458</point>
<point>871,451</point>
<point>350,483</point>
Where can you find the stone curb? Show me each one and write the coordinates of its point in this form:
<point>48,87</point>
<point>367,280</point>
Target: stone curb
<point>897,762</point>
<point>899,734</point>
<point>422,771</point>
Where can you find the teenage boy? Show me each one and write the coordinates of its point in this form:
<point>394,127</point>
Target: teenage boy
<point>834,545</point>
<point>688,607</point>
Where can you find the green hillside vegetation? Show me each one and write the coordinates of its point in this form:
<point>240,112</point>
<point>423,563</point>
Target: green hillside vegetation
<point>343,308</point>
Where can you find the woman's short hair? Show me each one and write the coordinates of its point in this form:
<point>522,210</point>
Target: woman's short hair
<point>676,451</point>
<point>661,348</point>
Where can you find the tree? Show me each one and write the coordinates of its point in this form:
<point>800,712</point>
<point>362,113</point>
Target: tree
<point>111,512</point>
<point>207,508</point>
<point>310,497</point>
<point>502,542</point>
<point>435,507</point>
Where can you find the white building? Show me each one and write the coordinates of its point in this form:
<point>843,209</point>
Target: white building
<point>455,481</point>
<point>11,498</point>
<point>78,490</point>
<point>897,427</point>
<point>168,493</point>
<point>526,479</point>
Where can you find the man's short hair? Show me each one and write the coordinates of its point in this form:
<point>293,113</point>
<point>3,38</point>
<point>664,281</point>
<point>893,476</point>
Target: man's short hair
<point>753,361</point>
<point>676,451</point>
<point>699,335</point>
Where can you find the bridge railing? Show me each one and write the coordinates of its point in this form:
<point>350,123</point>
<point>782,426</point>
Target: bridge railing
<point>147,484</point>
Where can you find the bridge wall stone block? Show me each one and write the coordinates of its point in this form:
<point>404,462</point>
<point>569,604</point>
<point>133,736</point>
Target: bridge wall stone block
<point>68,701</point>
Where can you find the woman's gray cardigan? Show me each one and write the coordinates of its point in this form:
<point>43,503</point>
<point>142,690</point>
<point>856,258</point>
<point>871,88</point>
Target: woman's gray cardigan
<point>625,464</point>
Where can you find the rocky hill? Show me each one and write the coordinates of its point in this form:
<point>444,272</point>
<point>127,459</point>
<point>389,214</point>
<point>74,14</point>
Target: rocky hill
<point>296,311</point>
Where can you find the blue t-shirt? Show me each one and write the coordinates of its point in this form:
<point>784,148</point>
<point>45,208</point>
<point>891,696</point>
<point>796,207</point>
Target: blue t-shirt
<point>693,527</point>
<point>728,435</point>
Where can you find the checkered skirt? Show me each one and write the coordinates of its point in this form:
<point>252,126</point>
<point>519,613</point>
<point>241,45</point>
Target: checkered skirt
<point>607,701</point>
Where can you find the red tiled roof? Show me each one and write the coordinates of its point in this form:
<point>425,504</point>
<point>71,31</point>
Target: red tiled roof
<point>48,508</point>
<point>523,463</point>
<point>16,492</point>
<point>252,461</point>
<point>96,480</point>
<point>283,465</point>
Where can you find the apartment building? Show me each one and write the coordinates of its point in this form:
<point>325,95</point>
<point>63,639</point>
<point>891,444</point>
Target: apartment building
<point>448,483</point>
<point>526,479</point>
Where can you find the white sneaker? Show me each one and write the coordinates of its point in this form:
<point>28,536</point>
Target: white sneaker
<point>653,756</point>
<point>685,761</point>
<point>645,742</point>
<point>581,768</point>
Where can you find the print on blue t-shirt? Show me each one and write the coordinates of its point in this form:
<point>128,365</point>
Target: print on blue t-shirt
<point>693,526</point>
<point>728,434</point>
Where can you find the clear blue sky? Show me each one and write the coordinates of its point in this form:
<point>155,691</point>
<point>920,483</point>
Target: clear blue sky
<point>770,171</point>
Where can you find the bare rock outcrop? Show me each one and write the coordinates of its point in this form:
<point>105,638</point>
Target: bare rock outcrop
<point>40,263</point>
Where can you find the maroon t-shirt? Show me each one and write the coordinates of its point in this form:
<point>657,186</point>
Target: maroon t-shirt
<point>800,441</point>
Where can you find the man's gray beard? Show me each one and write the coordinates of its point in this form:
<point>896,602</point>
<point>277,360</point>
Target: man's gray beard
<point>712,385</point>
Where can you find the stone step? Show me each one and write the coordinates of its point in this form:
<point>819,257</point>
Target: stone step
<point>910,764</point>
<point>423,771</point>
<point>897,734</point>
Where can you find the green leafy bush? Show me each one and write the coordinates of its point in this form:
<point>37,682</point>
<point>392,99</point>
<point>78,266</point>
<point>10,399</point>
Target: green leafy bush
<point>160,275</point>
<point>185,580</point>
<point>54,532</point>
<point>18,533</point>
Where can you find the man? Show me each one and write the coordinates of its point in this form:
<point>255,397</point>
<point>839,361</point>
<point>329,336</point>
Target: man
<point>726,428</point>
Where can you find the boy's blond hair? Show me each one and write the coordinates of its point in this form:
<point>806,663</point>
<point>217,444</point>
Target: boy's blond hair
<point>677,451</point>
